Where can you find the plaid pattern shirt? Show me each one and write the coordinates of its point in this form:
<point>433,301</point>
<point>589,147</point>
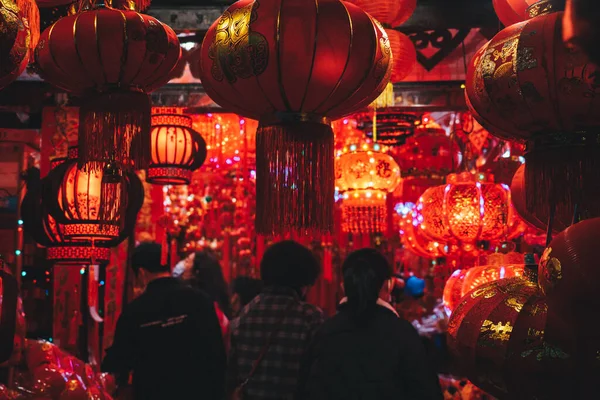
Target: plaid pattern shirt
<point>277,374</point>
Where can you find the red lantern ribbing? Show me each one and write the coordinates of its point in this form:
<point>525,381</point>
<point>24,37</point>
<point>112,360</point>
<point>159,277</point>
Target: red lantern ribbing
<point>292,65</point>
<point>391,13</point>
<point>404,55</point>
<point>177,150</point>
<point>113,57</point>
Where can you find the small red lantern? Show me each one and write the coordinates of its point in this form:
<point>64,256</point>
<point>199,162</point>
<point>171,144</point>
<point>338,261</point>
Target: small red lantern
<point>414,241</point>
<point>14,43</point>
<point>113,57</point>
<point>497,332</point>
<point>177,150</point>
<point>510,12</point>
<point>525,84</point>
<point>388,126</point>
<point>292,65</point>
<point>391,13</point>
<point>404,55</point>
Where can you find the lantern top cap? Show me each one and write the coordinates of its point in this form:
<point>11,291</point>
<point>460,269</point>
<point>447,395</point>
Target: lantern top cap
<point>542,7</point>
<point>367,146</point>
<point>172,120</point>
<point>469,177</point>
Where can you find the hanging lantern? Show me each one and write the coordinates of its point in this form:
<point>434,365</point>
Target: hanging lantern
<point>14,43</point>
<point>391,127</point>
<point>391,13</point>
<point>273,72</point>
<point>113,57</point>
<point>404,55</point>
<point>468,209</point>
<point>525,84</point>
<point>497,332</point>
<point>364,177</point>
<point>510,12</point>
<point>540,219</point>
<point>92,205</point>
<point>414,241</point>
<point>177,150</point>
<point>453,290</point>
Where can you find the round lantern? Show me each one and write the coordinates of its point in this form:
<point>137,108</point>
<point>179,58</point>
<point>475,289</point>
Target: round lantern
<point>113,57</point>
<point>91,205</point>
<point>415,242</point>
<point>404,55</point>
<point>510,12</point>
<point>365,175</point>
<point>391,13</point>
<point>453,289</point>
<point>525,84</point>
<point>468,209</point>
<point>274,72</point>
<point>14,43</point>
<point>497,332</point>
<point>177,150</point>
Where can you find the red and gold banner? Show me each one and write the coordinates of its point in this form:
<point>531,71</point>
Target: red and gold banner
<point>67,302</point>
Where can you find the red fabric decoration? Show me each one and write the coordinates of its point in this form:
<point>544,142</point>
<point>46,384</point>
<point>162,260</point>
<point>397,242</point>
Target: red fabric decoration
<point>292,65</point>
<point>391,13</point>
<point>526,85</point>
<point>177,150</point>
<point>580,26</point>
<point>14,43</point>
<point>404,55</point>
<point>497,333</point>
<point>510,12</point>
<point>114,57</point>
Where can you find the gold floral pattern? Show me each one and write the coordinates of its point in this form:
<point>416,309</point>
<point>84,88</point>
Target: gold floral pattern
<point>496,331</point>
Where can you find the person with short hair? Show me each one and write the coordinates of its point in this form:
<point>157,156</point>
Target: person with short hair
<point>272,332</point>
<point>243,290</point>
<point>366,351</point>
<point>168,338</point>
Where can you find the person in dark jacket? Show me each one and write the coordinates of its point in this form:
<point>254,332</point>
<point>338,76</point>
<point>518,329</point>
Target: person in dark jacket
<point>243,290</point>
<point>366,351</point>
<point>169,337</point>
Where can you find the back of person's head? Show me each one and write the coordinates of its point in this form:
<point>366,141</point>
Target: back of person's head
<point>148,256</point>
<point>365,272</point>
<point>246,288</point>
<point>289,264</point>
<point>207,276</point>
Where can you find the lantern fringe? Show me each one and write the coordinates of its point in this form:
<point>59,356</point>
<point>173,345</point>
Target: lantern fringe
<point>30,11</point>
<point>115,126</point>
<point>565,177</point>
<point>294,178</point>
<point>364,218</point>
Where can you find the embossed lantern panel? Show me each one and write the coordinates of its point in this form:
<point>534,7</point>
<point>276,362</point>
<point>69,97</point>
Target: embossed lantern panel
<point>14,43</point>
<point>497,333</point>
<point>365,175</point>
<point>177,150</point>
<point>469,208</point>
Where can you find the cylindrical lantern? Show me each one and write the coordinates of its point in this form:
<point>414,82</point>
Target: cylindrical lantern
<point>365,175</point>
<point>271,68</point>
<point>525,84</point>
<point>469,208</point>
<point>177,150</point>
<point>113,57</point>
<point>14,43</point>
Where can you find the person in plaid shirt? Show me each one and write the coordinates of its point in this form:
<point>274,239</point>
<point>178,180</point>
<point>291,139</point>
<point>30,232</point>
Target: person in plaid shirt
<point>277,316</point>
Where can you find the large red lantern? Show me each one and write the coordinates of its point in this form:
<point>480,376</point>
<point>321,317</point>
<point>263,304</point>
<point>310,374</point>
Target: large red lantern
<point>177,150</point>
<point>292,65</point>
<point>391,13</point>
<point>497,332</point>
<point>14,43</point>
<point>469,208</point>
<point>525,84</point>
<point>510,12</point>
<point>113,57</point>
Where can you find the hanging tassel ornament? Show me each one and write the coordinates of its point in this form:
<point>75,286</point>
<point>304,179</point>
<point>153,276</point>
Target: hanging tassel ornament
<point>31,14</point>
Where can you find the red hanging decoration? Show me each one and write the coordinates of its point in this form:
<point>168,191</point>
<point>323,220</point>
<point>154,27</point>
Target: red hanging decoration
<point>177,150</point>
<point>272,68</point>
<point>14,43</point>
<point>404,55</point>
<point>391,13</point>
<point>510,12</point>
<point>414,241</point>
<point>525,84</point>
<point>113,57</point>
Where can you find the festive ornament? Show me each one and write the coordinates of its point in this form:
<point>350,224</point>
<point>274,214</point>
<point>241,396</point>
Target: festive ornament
<point>469,208</point>
<point>525,84</point>
<point>497,332</point>
<point>388,126</point>
<point>510,12</point>
<point>453,290</point>
<point>404,55</point>
<point>113,57</point>
<point>269,68</point>
<point>177,150</point>
<point>14,43</point>
<point>391,13</point>
<point>365,175</point>
<point>413,240</point>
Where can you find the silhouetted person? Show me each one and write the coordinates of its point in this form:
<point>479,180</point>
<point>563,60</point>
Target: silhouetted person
<point>273,331</point>
<point>243,290</point>
<point>168,337</point>
<point>366,352</point>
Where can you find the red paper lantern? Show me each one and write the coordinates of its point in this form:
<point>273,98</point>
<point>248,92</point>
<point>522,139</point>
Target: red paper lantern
<point>510,12</point>
<point>525,84</point>
<point>388,126</point>
<point>469,208</point>
<point>177,150</point>
<point>414,241</point>
<point>113,57</point>
<point>497,332</point>
<point>404,55</point>
<point>292,65</point>
<point>391,13</point>
<point>14,43</point>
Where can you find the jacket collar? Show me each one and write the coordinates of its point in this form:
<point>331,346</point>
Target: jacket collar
<point>380,302</point>
<point>281,291</point>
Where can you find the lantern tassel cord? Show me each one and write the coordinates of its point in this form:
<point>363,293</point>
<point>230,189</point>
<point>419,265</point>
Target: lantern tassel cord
<point>550,223</point>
